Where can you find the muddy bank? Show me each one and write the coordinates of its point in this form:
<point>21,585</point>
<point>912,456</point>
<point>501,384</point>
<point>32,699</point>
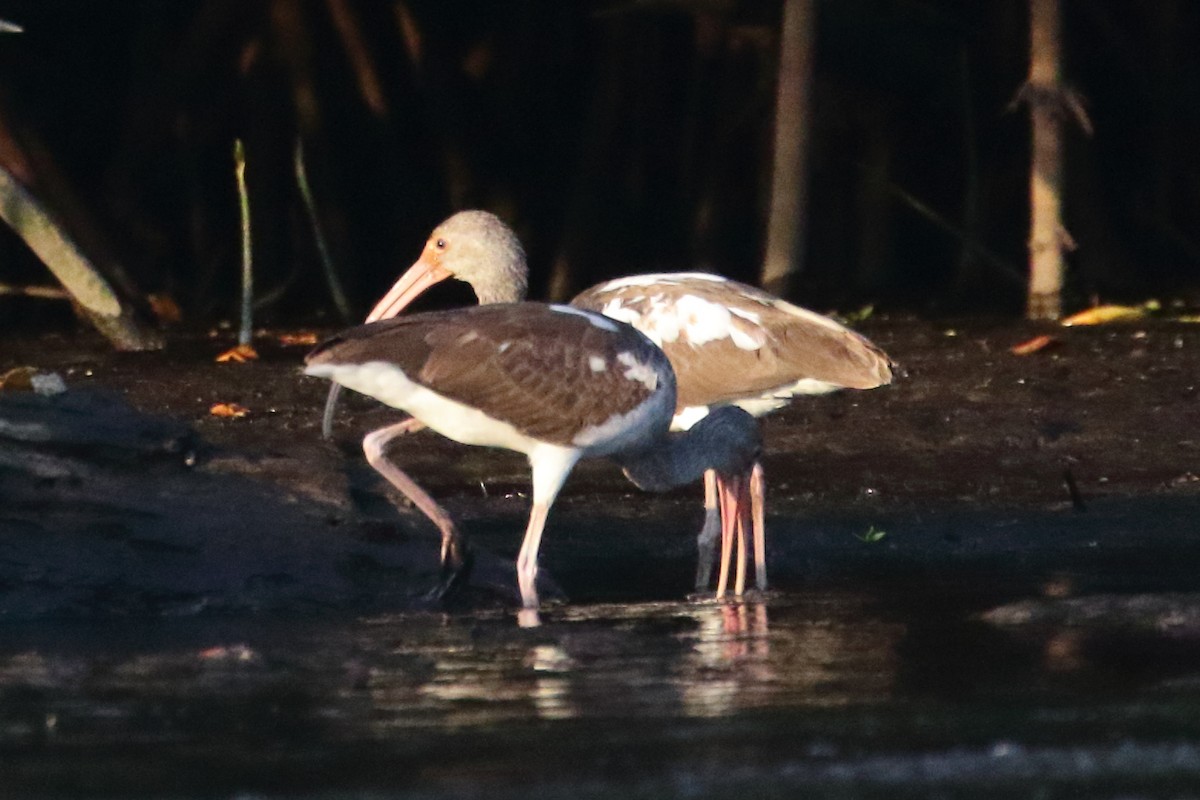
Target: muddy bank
<point>1084,452</point>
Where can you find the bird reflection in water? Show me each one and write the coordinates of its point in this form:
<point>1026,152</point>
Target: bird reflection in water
<point>731,650</point>
<point>551,690</point>
<point>643,660</point>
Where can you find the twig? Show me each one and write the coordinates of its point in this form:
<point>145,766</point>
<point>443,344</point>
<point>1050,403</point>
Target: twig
<point>1073,490</point>
<point>331,278</point>
<point>997,262</point>
<point>42,292</point>
<point>246,328</point>
<point>335,390</point>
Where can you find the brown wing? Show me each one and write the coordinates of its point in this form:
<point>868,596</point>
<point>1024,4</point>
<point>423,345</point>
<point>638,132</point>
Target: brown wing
<point>524,363</point>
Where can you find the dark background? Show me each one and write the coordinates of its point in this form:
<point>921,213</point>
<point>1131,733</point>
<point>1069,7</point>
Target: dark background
<point>617,137</point>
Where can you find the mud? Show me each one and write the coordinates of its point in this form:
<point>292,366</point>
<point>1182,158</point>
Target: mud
<point>983,586</point>
<point>1101,418</point>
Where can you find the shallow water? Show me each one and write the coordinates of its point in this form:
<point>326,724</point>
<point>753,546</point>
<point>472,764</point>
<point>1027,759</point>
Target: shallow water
<point>883,691</point>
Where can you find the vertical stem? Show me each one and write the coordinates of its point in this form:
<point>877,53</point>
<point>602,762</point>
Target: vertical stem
<point>789,181</point>
<point>1045,191</point>
<point>247,322</point>
<point>331,278</point>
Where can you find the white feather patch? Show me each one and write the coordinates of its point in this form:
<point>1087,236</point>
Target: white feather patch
<point>691,320</point>
<point>756,406</point>
<point>387,383</point>
<point>688,417</point>
<point>627,314</point>
<point>596,319</point>
<point>660,279</point>
<point>637,371</point>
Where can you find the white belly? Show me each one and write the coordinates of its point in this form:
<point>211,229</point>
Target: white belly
<point>450,418</point>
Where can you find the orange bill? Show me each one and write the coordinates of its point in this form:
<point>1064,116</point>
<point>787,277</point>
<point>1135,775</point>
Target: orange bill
<point>420,276</point>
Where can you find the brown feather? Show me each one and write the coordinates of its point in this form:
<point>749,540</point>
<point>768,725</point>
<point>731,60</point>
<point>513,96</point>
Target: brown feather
<point>525,364</point>
<point>794,345</point>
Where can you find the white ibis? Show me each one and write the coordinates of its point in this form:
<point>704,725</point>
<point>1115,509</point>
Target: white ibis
<point>730,344</point>
<point>553,382</point>
<point>734,344</point>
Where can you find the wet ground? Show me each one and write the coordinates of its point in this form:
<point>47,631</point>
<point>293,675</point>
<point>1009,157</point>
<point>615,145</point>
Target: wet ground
<point>1027,624</point>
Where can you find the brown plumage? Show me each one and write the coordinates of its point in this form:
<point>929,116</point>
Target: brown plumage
<point>502,363</point>
<point>752,345</point>
<point>553,382</point>
<point>729,344</point>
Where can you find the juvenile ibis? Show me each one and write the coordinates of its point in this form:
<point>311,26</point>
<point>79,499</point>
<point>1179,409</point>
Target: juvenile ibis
<point>553,382</point>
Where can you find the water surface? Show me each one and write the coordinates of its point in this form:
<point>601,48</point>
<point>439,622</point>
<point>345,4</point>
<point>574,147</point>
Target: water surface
<point>888,691</point>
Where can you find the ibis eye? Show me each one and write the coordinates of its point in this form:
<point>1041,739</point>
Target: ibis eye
<point>440,244</point>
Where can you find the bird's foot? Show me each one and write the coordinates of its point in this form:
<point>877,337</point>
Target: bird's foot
<point>455,553</point>
<point>457,561</point>
<point>707,595</point>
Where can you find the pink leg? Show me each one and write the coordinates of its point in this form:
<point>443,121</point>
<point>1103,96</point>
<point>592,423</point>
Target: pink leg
<point>527,559</point>
<point>758,504</point>
<point>374,444</point>
<point>727,490</point>
<point>706,542</point>
<point>742,512</point>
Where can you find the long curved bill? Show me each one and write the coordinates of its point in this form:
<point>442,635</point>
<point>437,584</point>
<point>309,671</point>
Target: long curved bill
<point>419,277</point>
<point>425,272</point>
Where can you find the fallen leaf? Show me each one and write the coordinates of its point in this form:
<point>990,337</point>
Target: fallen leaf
<point>853,318</point>
<point>165,309</point>
<point>1033,345</point>
<point>293,339</point>
<point>237,652</point>
<point>240,354</point>
<point>31,379</point>
<point>1185,478</point>
<point>18,379</point>
<point>1099,315</point>
<point>232,410</point>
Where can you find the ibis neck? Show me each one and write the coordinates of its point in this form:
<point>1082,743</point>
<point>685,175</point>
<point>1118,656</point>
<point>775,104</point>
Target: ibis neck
<point>489,293</point>
<point>500,277</point>
<point>727,440</point>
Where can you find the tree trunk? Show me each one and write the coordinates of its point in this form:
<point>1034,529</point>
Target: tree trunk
<point>789,184</point>
<point>1046,235</point>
